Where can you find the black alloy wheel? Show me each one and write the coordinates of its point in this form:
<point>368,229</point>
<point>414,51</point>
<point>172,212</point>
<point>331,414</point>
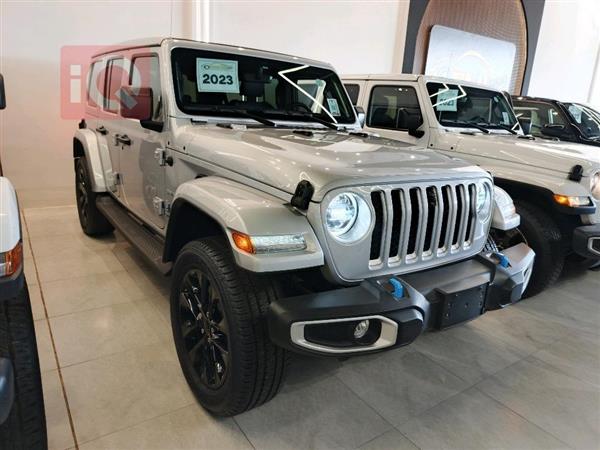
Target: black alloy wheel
<point>204,328</point>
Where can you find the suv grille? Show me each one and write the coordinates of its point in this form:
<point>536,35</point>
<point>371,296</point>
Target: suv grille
<point>421,223</point>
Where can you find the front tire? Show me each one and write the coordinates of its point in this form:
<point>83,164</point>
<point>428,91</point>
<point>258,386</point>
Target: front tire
<point>25,427</point>
<point>543,235</point>
<point>92,222</point>
<point>218,320</point>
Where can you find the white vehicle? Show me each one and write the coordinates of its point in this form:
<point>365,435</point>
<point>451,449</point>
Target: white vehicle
<point>244,174</point>
<point>22,417</point>
<point>555,185</point>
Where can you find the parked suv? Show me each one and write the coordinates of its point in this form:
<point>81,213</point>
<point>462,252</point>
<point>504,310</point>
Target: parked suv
<point>22,417</point>
<point>243,173</point>
<point>546,118</point>
<point>555,185</point>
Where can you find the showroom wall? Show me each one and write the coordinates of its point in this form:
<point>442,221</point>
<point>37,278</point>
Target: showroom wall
<point>567,54</point>
<point>35,142</point>
<point>356,36</point>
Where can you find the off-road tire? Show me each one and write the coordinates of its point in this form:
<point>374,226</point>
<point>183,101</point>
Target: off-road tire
<point>25,427</point>
<point>257,366</point>
<point>544,237</point>
<point>92,222</point>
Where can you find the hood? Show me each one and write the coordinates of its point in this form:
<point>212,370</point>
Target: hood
<point>557,156</point>
<point>328,159</point>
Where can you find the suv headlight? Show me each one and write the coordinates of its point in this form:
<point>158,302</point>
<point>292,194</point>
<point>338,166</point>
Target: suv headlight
<point>595,185</point>
<point>347,217</point>
<point>483,201</point>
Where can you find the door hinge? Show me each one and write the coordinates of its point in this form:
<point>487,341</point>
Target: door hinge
<point>118,178</point>
<point>160,208</point>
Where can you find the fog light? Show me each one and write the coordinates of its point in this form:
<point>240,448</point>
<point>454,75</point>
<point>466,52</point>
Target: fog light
<point>361,329</point>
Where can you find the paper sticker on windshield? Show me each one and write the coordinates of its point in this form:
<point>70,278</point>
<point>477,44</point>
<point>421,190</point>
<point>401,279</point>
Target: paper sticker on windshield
<point>505,118</point>
<point>334,108</point>
<point>217,75</point>
<point>445,100</point>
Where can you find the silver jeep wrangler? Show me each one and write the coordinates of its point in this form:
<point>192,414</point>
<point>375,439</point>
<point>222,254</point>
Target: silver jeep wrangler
<point>244,175</point>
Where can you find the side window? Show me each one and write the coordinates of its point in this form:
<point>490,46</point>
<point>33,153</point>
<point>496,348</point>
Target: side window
<point>114,81</point>
<point>353,91</point>
<point>540,115</point>
<point>94,84</point>
<point>394,107</point>
<point>145,73</point>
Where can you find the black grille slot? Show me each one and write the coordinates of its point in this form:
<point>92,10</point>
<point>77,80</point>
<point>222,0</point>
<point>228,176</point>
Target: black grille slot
<point>447,199</point>
<point>459,213</point>
<point>432,209</point>
<point>414,221</point>
<point>472,211</point>
<point>396,222</point>
<point>376,239</point>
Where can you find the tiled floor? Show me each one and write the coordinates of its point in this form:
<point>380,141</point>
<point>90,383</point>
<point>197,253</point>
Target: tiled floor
<point>525,377</point>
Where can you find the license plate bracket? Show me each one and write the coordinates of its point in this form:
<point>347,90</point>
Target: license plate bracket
<point>462,306</point>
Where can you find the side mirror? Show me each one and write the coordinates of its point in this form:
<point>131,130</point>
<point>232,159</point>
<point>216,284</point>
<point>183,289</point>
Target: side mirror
<point>556,131</point>
<point>413,122</point>
<point>136,103</point>
<point>360,112</point>
<point>525,123</point>
<point>2,96</point>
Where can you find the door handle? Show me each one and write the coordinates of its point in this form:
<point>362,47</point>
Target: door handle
<point>102,130</point>
<point>123,139</point>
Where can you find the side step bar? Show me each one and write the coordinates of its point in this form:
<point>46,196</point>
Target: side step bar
<point>149,244</point>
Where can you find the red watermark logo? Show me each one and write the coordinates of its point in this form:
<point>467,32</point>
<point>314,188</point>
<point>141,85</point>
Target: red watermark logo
<point>108,87</point>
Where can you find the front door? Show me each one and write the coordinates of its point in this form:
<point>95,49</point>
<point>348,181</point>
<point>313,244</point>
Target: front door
<point>143,178</point>
<point>392,109</point>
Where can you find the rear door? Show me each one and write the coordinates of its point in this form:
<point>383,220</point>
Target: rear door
<point>110,123</point>
<point>392,108</point>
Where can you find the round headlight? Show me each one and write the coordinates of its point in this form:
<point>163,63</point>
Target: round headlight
<point>595,185</point>
<point>348,217</point>
<point>483,201</point>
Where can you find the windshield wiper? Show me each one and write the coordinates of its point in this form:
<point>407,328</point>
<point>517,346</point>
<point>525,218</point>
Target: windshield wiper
<point>314,118</point>
<point>488,125</point>
<point>238,112</point>
<point>469,124</point>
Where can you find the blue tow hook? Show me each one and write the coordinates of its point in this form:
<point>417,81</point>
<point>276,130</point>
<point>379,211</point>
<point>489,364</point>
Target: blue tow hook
<point>398,288</point>
<point>502,260</point>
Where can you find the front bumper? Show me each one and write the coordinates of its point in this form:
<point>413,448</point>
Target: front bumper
<point>400,308</point>
<point>586,241</point>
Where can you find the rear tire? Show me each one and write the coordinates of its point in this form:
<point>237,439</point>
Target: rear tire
<point>543,235</point>
<point>92,222</point>
<point>25,427</point>
<point>218,319</point>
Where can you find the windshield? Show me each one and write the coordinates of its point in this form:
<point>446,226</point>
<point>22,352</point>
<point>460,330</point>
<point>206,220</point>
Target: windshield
<point>586,119</point>
<point>540,115</point>
<point>225,84</point>
<point>463,106</point>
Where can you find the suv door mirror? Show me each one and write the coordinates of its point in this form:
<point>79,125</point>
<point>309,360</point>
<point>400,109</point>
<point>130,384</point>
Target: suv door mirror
<point>136,103</point>
<point>2,96</point>
<point>557,131</point>
<point>360,112</point>
<point>413,122</point>
<point>525,123</point>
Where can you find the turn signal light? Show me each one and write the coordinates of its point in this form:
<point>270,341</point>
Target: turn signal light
<point>11,260</point>
<point>572,202</point>
<point>243,242</point>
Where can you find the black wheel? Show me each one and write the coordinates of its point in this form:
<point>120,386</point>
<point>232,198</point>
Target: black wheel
<point>25,427</point>
<point>93,223</point>
<point>542,234</point>
<point>217,316</point>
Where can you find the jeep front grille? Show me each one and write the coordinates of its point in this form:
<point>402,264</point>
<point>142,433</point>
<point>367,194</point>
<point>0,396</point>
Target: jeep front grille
<point>421,223</point>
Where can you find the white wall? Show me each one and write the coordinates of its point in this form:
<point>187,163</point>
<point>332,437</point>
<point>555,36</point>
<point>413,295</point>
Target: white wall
<point>35,143</point>
<point>567,51</point>
<point>354,36</point>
